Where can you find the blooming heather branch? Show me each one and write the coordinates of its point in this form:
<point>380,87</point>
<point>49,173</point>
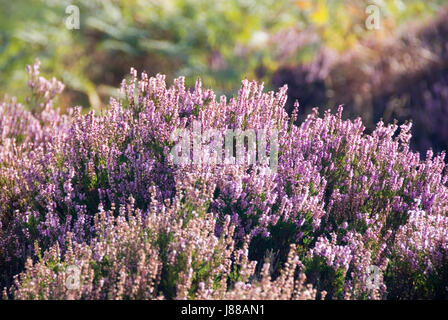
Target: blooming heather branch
<point>102,193</point>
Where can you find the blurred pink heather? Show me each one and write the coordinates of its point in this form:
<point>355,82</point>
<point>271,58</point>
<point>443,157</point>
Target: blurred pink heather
<point>101,193</point>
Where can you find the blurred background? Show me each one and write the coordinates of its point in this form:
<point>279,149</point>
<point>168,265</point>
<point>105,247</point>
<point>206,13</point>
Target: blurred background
<point>322,49</point>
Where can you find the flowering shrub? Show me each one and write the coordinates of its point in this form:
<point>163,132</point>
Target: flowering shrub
<point>101,192</point>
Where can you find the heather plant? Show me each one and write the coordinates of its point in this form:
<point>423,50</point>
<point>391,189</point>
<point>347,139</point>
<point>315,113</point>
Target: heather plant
<point>156,256</point>
<point>101,193</point>
<point>419,257</point>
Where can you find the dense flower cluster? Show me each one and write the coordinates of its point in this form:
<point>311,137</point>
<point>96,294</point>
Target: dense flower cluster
<point>101,192</point>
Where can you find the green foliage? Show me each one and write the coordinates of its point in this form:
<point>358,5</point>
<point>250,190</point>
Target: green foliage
<point>275,247</point>
<point>223,43</point>
<point>325,277</point>
<point>407,282</point>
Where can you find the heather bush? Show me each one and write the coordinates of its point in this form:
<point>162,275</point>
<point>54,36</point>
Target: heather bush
<point>102,192</point>
<point>155,256</point>
<point>419,258</point>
